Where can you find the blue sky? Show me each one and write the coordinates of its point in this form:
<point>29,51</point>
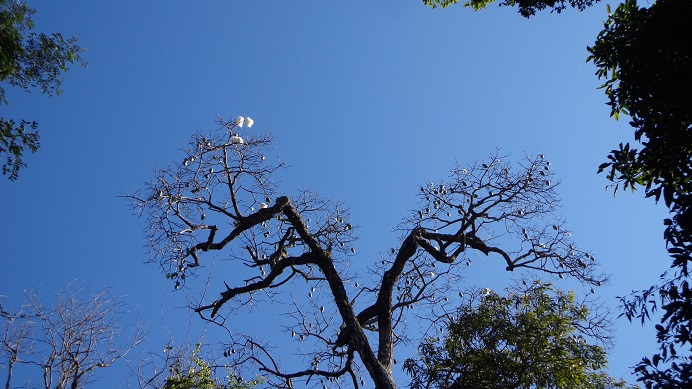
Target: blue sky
<point>366,100</point>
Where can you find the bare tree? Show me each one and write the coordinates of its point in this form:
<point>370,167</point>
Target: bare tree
<point>299,252</point>
<point>67,342</point>
<point>16,338</point>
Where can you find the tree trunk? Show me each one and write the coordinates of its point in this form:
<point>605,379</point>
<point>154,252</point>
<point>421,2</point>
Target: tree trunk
<point>9,372</point>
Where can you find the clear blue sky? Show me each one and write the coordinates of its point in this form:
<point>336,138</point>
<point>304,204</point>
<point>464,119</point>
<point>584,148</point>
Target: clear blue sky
<point>367,99</point>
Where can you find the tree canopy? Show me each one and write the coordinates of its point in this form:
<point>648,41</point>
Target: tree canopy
<point>645,55</point>
<point>28,60</point>
<point>533,337</point>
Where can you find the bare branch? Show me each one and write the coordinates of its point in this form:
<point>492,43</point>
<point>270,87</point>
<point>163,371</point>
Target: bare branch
<point>220,199</point>
<point>70,340</point>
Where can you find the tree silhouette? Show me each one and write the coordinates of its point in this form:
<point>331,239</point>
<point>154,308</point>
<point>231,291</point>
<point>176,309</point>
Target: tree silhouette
<point>298,253</point>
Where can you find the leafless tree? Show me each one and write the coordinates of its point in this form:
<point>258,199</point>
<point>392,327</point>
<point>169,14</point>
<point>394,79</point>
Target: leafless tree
<point>16,338</point>
<point>298,253</point>
<point>67,342</point>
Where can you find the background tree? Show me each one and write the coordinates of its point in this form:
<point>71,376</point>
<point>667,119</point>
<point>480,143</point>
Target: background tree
<point>299,253</point>
<point>645,55</point>
<point>187,368</point>
<point>534,337</point>
<point>28,60</point>
<point>66,343</point>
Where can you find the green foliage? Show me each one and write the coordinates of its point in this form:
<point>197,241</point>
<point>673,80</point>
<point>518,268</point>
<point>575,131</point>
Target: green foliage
<point>28,60</point>
<point>645,57</point>
<point>526,8</point>
<point>530,338</point>
<point>13,142</point>
<point>199,374</point>
<point>441,3</point>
